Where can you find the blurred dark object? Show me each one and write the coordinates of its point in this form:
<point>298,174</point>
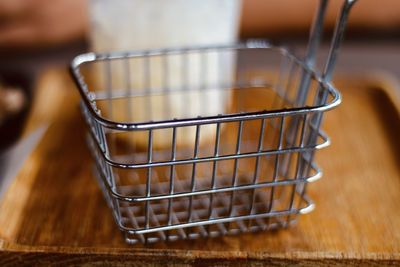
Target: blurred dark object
<point>32,60</point>
<point>13,84</point>
<point>18,69</point>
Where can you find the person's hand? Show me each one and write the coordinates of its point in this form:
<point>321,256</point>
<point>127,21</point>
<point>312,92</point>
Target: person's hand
<point>26,23</point>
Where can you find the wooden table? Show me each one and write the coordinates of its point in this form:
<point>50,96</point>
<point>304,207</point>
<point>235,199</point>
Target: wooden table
<point>55,213</point>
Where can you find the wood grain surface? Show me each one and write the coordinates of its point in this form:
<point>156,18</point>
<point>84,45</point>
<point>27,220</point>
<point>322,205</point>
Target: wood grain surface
<point>54,212</point>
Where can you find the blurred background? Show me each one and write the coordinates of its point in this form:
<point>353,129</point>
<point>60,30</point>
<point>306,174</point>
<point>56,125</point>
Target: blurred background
<point>37,35</point>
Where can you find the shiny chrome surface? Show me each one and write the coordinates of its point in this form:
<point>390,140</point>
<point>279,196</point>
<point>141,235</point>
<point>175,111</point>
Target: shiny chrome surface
<point>256,181</point>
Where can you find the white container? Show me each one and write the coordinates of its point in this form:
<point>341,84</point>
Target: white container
<point>147,24</point>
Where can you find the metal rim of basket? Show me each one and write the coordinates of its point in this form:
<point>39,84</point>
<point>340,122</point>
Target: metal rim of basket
<point>251,44</point>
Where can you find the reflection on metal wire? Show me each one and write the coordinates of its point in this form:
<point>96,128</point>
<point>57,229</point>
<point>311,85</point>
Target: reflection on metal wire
<point>168,174</point>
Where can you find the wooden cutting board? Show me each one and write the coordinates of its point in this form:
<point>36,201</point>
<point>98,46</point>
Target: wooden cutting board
<point>55,213</point>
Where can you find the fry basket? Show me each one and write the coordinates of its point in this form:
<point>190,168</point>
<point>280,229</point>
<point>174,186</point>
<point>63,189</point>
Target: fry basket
<point>207,141</point>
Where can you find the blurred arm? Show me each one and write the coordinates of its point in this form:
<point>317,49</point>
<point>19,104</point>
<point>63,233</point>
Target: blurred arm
<point>27,23</point>
<point>261,17</point>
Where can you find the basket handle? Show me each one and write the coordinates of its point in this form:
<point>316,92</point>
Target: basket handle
<point>310,58</point>
<point>337,39</point>
<point>315,34</point>
<point>314,43</point>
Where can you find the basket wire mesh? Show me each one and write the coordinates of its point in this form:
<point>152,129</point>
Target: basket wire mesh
<point>233,152</point>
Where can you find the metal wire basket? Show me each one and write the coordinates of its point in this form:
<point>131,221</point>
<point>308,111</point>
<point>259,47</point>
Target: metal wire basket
<point>202,142</point>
